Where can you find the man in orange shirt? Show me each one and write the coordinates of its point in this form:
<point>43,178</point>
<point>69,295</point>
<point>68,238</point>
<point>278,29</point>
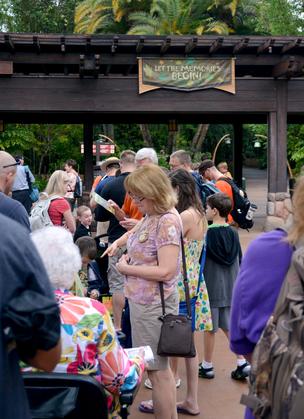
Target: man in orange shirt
<point>208,171</point>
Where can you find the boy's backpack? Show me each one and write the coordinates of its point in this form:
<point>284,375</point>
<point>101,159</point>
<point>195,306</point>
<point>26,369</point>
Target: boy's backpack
<point>78,187</point>
<point>277,371</point>
<point>205,189</point>
<point>39,217</point>
<point>242,212</point>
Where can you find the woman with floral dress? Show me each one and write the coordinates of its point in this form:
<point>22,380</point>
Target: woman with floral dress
<point>194,226</point>
<point>89,342</point>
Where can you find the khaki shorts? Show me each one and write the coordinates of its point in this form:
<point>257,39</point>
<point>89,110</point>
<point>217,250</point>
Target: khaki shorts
<point>146,326</point>
<point>116,280</point>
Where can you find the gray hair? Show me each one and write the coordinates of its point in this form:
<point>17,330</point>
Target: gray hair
<point>147,153</point>
<point>182,156</point>
<point>59,255</point>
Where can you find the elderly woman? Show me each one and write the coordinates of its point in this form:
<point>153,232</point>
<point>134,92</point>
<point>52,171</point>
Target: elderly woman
<point>89,343</point>
<point>153,257</point>
<point>59,210</point>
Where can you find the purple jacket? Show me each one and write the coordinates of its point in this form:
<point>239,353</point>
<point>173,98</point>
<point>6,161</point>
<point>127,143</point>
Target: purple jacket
<point>256,290</point>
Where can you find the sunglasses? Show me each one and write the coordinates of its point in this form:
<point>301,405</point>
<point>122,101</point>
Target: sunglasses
<point>10,165</point>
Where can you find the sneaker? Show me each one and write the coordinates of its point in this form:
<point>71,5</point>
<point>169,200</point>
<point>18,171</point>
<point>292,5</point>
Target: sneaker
<point>205,372</point>
<point>242,372</point>
<point>148,383</point>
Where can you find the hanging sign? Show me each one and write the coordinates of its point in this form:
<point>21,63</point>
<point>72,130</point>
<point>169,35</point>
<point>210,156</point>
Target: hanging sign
<point>186,74</point>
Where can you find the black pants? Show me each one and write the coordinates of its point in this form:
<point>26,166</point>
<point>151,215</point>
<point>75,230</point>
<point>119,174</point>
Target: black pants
<point>23,196</point>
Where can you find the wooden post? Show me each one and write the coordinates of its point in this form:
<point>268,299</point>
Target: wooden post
<point>277,143</point>
<point>238,153</point>
<point>88,156</point>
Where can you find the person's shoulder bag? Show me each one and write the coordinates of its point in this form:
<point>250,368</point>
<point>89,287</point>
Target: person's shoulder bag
<point>176,337</point>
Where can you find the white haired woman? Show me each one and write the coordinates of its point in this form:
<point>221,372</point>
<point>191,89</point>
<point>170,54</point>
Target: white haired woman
<point>59,210</point>
<point>89,343</point>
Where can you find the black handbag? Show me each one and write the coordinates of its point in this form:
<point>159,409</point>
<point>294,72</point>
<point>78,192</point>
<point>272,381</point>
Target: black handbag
<point>176,336</point>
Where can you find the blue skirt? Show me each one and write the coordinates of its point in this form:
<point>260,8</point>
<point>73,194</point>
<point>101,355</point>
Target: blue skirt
<point>183,310</point>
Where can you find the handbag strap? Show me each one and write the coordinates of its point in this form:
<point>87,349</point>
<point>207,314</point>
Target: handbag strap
<point>202,264</point>
<point>186,285</point>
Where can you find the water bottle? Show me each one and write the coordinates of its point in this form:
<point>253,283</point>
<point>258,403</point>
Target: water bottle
<point>251,211</point>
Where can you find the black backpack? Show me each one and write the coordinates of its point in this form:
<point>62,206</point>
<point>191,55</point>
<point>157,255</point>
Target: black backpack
<point>243,210</point>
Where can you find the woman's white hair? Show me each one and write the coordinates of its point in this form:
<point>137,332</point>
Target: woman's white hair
<point>147,153</point>
<point>59,254</point>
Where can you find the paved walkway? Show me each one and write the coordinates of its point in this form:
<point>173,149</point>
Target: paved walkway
<point>219,398</point>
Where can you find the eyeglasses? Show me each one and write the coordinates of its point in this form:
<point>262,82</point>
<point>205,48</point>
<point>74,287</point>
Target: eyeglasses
<point>136,198</point>
<point>10,165</point>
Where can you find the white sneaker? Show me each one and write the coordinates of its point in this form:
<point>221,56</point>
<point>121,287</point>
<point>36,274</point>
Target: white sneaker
<point>148,383</point>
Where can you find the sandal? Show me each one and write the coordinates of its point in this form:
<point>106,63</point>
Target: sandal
<point>146,406</point>
<point>148,383</point>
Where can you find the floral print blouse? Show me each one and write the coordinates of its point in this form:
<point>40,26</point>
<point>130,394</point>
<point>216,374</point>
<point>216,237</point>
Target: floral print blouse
<point>151,233</point>
<point>90,347</point>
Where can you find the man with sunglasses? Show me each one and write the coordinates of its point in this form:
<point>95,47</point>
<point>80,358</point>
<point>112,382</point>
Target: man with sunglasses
<point>8,206</point>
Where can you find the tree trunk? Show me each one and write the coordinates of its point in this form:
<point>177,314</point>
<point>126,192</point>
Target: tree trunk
<point>171,142</point>
<point>145,132</point>
<point>198,139</point>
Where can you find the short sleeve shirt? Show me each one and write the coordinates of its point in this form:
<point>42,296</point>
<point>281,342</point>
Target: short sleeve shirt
<point>56,210</point>
<point>152,233</point>
<point>224,187</point>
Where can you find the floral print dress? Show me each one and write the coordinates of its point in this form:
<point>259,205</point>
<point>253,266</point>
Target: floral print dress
<point>193,249</point>
<point>90,347</point>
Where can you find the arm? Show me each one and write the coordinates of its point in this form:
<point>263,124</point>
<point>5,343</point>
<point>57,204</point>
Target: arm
<point>69,221</point>
<point>46,360</point>
<point>164,271</point>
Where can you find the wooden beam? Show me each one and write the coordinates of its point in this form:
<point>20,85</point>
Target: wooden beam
<point>290,45</point>
<point>266,46</point>
<point>128,70</point>
<point>6,68</point>
<point>36,44</point>
<point>88,47</point>
<point>107,70</point>
<point>9,43</point>
<point>241,45</point>
<point>288,68</point>
<point>140,45</point>
<point>165,45</point>
<point>89,66</point>
<point>216,45</point>
<point>191,45</point>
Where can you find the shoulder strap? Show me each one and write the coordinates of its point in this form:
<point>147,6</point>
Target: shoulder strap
<point>186,285</point>
<point>202,263</point>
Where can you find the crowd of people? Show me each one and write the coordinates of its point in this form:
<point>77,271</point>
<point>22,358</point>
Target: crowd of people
<point>147,212</point>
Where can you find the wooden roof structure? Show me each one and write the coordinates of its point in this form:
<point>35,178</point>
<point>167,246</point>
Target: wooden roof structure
<point>59,78</point>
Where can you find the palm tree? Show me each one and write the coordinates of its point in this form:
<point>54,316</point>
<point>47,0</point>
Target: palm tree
<point>177,17</point>
<point>105,16</point>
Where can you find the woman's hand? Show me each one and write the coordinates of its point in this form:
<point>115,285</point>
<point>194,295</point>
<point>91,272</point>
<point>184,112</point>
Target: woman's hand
<point>122,264</point>
<point>111,250</point>
<point>128,223</point>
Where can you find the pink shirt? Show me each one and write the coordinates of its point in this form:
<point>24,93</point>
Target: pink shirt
<point>152,233</point>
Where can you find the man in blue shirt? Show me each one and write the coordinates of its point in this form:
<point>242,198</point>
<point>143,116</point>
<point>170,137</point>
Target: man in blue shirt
<point>21,186</point>
<point>21,269</point>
